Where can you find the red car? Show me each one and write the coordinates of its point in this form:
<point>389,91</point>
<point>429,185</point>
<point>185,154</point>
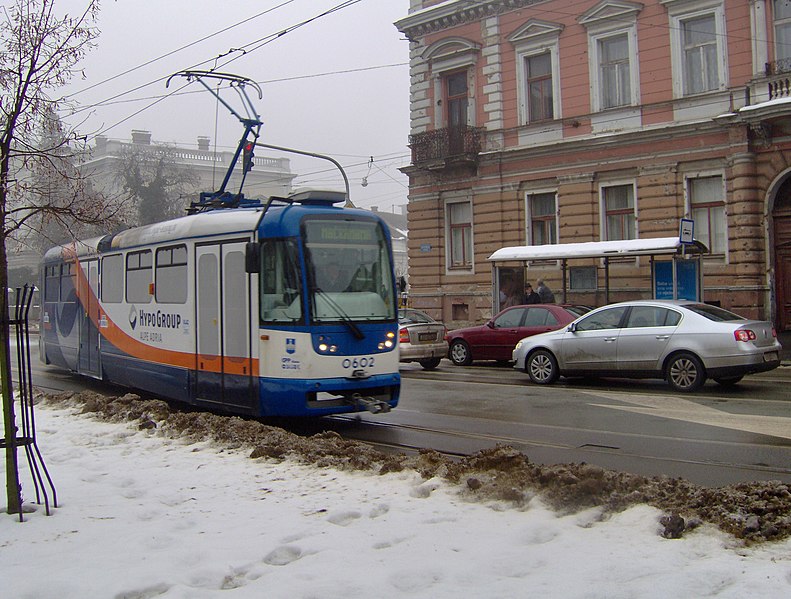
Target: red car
<point>496,339</point>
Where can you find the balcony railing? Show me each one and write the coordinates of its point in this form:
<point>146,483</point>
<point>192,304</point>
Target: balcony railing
<point>778,76</point>
<point>452,144</point>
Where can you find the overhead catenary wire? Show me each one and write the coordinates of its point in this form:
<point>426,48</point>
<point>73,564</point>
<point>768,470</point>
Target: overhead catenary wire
<point>238,52</point>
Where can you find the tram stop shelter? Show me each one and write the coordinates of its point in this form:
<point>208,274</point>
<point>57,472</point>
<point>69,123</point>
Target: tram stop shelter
<point>676,271</point>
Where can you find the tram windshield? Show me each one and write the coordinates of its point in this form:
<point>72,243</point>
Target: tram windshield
<point>349,270</point>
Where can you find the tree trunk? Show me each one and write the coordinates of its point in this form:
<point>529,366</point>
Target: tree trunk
<point>9,418</point>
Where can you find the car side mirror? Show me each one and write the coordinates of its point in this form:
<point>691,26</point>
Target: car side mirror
<point>572,327</point>
<point>490,324</point>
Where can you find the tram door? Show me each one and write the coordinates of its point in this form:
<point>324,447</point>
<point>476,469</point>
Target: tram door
<point>87,289</point>
<point>223,363</point>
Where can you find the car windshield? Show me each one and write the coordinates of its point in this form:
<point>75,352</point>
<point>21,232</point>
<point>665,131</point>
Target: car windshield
<point>713,312</point>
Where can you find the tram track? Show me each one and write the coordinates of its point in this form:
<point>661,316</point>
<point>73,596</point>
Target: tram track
<point>524,445</point>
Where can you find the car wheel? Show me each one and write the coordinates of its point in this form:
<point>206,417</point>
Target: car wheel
<point>728,381</point>
<point>460,353</point>
<point>542,367</point>
<point>430,363</point>
<point>685,372</point>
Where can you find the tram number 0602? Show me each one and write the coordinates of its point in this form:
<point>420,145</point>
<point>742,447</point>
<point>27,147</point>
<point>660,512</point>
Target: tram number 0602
<point>358,362</point>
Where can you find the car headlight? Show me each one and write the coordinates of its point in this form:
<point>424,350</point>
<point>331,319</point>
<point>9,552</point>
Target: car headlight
<point>518,345</point>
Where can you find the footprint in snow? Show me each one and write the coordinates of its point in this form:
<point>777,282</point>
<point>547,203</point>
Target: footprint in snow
<point>283,555</point>
<point>343,518</point>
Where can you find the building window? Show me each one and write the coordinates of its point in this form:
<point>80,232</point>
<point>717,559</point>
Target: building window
<point>542,225</point>
<point>582,278</point>
<point>707,209</point>
<point>782,19</point>
<point>539,92</point>
<point>536,45</point>
<point>619,212</point>
<point>700,55</point>
<point>459,218</point>
<point>612,54</point>
<point>456,99</point>
<point>698,48</point>
<point>614,71</point>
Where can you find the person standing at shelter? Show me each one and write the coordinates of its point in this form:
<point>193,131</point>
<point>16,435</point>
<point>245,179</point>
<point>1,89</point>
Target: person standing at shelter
<point>544,292</point>
<point>531,297</point>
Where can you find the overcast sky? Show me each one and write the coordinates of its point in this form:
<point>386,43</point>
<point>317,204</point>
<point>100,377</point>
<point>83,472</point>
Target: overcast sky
<point>338,85</point>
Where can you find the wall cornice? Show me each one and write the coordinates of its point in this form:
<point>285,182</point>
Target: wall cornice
<point>447,15</point>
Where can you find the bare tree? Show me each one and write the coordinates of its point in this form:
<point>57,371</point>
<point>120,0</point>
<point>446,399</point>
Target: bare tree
<point>156,183</point>
<point>39,53</point>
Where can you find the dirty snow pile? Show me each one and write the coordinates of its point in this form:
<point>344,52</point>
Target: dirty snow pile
<point>154,503</point>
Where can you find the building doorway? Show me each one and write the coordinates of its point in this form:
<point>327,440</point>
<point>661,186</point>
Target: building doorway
<point>781,219</point>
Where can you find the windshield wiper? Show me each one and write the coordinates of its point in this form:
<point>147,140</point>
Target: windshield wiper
<point>345,318</point>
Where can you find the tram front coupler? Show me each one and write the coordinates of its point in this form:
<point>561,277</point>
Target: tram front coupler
<point>373,405</point>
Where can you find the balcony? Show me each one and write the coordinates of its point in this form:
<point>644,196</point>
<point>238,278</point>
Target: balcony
<point>443,148</point>
<point>778,76</point>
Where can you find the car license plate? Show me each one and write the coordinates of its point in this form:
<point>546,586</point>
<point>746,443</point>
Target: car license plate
<point>770,356</point>
<point>426,336</point>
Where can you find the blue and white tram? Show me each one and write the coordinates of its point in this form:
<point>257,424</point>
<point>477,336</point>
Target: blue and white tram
<point>279,310</point>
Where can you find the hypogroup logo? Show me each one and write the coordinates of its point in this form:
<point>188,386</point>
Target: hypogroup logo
<point>291,345</point>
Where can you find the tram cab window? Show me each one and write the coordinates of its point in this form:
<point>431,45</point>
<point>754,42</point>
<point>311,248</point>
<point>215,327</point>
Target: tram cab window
<point>281,287</point>
<point>113,279</point>
<point>349,270</point>
<point>139,271</point>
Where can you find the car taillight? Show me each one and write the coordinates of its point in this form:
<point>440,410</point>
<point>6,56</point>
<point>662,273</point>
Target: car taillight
<point>403,336</point>
<point>744,335</point>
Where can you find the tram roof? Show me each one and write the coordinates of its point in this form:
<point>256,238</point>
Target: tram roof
<point>598,249</point>
<point>204,225</point>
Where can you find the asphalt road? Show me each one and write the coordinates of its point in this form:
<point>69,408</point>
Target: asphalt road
<point>714,437</point>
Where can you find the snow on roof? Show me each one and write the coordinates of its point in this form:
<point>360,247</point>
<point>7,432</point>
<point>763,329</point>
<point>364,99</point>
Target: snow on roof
<point>596,249</point>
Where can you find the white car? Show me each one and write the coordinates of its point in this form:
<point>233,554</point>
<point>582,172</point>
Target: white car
<point>683,342</point>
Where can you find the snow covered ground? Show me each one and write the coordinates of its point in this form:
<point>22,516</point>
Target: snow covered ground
<point>144,516</point>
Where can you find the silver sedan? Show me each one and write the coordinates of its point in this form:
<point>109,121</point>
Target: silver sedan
<point>682,342</point>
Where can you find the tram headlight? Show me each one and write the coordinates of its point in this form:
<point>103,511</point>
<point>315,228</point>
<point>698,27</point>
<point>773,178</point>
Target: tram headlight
<point>325,346</point>
<point>389,342</point>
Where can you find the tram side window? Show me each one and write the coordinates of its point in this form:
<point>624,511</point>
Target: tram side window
<point>51,283</point>
<point>67,292</point>
<point>281,289</point>
<point>171,275</point>
<point>139,276</point>
<point>113,279</point>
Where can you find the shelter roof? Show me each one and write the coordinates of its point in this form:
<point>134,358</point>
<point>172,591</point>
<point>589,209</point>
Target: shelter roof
<point>598,249</point>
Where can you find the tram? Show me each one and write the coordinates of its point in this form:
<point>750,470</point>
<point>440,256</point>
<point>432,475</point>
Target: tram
<point>286,308</point>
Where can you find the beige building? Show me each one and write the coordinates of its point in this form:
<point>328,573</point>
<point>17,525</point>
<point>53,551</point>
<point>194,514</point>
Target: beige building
<point>554,122</point>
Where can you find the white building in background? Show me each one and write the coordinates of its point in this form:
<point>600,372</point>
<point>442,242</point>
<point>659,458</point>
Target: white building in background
<point>268,177</point>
